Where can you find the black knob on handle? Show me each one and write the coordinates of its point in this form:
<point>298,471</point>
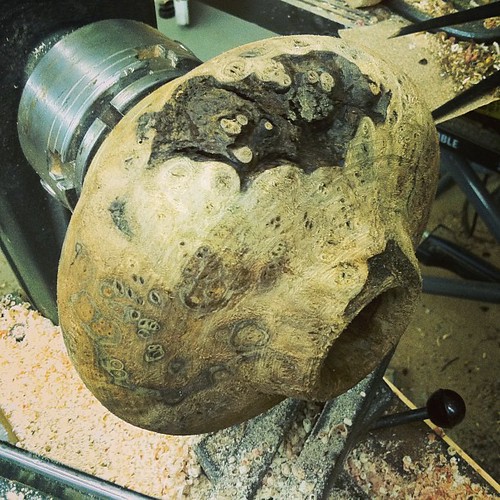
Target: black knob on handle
<point>444,408</point>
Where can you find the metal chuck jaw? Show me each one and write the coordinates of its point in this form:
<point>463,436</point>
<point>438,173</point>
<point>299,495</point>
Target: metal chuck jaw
<point>81,88</point>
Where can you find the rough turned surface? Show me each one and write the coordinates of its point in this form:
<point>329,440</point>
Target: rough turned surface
<point>246,234</point>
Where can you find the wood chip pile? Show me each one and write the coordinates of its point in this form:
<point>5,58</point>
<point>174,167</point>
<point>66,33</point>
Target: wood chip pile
<point>53,414</point>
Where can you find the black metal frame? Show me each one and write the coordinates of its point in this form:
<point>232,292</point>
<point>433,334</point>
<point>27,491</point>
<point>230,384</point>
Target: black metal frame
<point>482,280</point>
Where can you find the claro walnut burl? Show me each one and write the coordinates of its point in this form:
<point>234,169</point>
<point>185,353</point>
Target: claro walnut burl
<point>246,234</point>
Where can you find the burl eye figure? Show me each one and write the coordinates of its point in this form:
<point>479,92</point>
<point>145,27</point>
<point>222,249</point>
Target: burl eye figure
<point>246,234</point>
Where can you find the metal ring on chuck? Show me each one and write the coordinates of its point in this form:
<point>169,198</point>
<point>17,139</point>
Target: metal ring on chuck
<point>81,88</point>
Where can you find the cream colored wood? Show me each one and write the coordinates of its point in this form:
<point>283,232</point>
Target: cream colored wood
<point>246,234</point>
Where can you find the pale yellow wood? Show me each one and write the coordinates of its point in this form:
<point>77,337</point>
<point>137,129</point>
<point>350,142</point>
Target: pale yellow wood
<point>246,234</point>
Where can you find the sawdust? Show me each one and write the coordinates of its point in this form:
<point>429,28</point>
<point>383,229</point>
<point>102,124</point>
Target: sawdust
<point>54,415</point>
<point>467,63</point>
<point>435,8</point>
<point>435,476</point>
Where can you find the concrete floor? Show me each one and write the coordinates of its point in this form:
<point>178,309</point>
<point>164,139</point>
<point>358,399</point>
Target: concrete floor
<point>451,343</point>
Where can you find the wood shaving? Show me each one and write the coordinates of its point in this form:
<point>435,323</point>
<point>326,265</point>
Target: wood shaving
<point>435,8</point>
<point>467,63</point>
<point>435,476</point>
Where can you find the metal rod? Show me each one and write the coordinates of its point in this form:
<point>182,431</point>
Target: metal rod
<point>444,184</point>
<point>479,90</point>
<point>400,418</point>
<point>462,289</point>
<point>468,181</point>
<point>436,251</point>
<point>57,475</point>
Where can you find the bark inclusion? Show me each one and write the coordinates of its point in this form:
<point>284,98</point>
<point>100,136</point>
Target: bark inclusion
<point>254,124</point>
